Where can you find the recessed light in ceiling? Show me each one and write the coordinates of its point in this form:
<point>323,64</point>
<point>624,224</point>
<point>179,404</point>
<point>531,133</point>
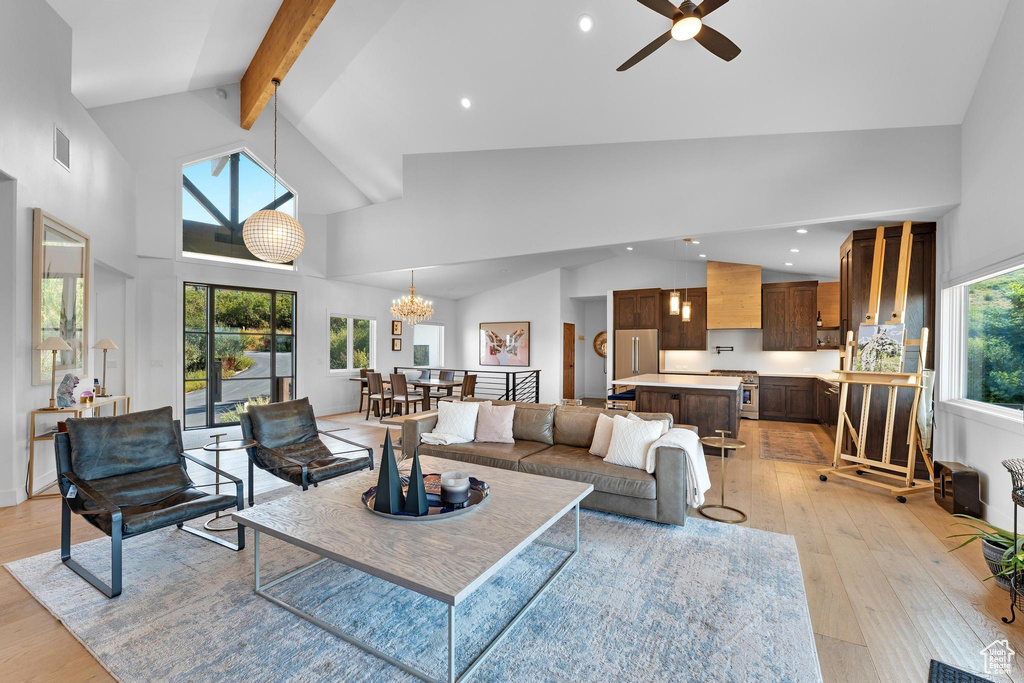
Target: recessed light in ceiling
<point>586,23</point>
<point>466,104</point>
<point>629,248</point>
<point>696,241</point>
<point>788,263</point>
<point>703,255</point>
<point>802,231</point>
<point>795,251</point>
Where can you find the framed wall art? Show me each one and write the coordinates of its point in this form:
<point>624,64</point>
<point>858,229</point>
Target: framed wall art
<point>505,344</point>
<point>396,328</point>
<point>396,344</point>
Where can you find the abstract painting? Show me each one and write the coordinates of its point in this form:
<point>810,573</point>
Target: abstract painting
<point>505,344</point>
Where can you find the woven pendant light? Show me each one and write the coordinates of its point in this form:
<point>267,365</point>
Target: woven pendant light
<point>273,236</point>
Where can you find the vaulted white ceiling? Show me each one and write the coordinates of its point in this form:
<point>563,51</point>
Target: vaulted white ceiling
<point>383,79</point>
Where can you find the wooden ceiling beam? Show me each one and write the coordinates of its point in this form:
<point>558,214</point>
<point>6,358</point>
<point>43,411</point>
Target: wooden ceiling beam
<point>293,26</point>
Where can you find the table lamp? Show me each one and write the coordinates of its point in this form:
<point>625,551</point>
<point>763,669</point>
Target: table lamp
<point>106,344</point>
<point>53,344</point>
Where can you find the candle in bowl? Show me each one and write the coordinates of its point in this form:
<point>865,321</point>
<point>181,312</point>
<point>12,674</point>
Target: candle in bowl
<point>454,488</point>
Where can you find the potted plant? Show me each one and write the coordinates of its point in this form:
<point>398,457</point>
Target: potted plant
<point>996,546</point>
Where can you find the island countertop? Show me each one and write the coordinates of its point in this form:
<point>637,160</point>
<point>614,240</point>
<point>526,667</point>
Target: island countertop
<point>682,381</point>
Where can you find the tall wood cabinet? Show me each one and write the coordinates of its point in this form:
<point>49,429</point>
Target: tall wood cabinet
<point>637,309</point>
<point>855,260</point>
<point>789,316</point>
<point>675,335</point>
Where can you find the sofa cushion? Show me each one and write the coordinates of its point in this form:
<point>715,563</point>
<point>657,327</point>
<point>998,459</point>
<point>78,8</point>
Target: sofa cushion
<point>534,422</point>
<point>111,446</point>
<point>494,424</point>
<point>505,456</point>
<point>574,426</point>
<point>631,440</point>
<point>576,464</point>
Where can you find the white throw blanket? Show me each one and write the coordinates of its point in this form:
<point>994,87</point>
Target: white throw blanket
<point>697,479</point>
<point>435,439</point>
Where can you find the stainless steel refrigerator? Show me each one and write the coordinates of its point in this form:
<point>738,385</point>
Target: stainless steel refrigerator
<point>636,352</point>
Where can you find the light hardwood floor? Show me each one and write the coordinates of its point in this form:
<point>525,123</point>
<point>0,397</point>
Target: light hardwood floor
<point>884,592</point>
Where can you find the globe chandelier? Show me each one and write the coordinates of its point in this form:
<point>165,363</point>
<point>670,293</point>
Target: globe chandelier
<point>411,308</point>
<point>273,236</point>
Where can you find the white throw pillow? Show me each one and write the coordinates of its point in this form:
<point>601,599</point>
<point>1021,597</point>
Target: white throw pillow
<point>458,418</point>
<point>494,423</point>
<point>631,439</point>
<point>603,434</point>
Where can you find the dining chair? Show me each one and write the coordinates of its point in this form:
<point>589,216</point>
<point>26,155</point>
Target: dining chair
<point>424,374</point>
<point>364,390</point>
<point>468,386</point>
<point>375,386</point>
<point>444,376</point>
<point>401,396</point>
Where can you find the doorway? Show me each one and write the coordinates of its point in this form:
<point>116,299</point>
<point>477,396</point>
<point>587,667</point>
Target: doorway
<point>239,349</point>
<point>568,360</point>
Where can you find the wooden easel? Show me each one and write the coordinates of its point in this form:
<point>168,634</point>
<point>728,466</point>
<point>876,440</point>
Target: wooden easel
<point>859,467</point>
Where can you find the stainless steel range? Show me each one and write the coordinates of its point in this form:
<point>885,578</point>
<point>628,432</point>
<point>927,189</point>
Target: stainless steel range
<point>749,401</point>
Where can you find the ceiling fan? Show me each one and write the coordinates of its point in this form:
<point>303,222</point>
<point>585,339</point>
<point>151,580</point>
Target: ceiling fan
<point>687,22</point>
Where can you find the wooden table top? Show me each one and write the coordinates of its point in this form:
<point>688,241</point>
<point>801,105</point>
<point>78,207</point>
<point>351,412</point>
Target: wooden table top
<point>443,559</point>
<point>441,383</point>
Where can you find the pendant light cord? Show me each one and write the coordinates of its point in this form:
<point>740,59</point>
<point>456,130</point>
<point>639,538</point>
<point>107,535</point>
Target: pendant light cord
<point>276,84</point>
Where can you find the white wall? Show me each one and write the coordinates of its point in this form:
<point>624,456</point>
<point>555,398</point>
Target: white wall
<point>556,198</point>
<point>595,370</point>
<point>535,300</point>
<point>984,232</point>
<point>97,196</point>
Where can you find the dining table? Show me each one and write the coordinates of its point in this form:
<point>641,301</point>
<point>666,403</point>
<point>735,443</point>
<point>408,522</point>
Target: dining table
<point>426,384</point>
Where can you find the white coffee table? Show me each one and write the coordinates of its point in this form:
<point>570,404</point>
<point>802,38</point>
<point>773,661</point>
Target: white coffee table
<point>417,555</point>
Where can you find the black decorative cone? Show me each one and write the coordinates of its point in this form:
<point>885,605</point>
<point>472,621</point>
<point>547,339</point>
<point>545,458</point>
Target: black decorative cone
<point>389,484</point>
<point>416,496</point>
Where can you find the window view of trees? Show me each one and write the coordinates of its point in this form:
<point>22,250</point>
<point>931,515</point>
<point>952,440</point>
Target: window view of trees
<point>995,340</point>
<point>359,331</point>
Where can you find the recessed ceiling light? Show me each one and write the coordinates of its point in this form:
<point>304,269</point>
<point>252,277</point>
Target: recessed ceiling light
<point>696,241</point>
<point>629,248</point>
<point>586,22</point>
<point>795,251</point>
<point>802,231</point>
<point>788,263</point>
<point>466,104</point>
<point>703,255</point>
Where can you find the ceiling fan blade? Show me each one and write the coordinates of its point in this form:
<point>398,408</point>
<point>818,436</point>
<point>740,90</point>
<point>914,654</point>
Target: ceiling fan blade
<point>662,7</point>
<point>716,43</point>
<point>646,52</point>
<point>708,6</point>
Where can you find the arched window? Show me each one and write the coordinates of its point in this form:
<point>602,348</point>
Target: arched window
<point>217,196</point>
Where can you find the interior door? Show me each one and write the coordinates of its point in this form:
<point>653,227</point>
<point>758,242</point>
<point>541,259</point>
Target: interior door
<point>568,360</point>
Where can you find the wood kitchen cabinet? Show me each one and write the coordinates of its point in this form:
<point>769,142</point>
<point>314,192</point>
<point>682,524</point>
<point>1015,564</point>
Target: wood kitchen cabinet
<point>705,409</point>
<point>787,398</point>
<point>675,335</point>
<point>856,256</point>
<point>789,315</point>
<point>827,405</point>
<point>828,304</point>
<point>637,309</point>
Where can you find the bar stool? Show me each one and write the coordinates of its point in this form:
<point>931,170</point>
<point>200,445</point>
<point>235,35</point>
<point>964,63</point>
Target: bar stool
<point>724,444</point>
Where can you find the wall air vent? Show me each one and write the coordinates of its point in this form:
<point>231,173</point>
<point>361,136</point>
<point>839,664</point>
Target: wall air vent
<point>61,148</point>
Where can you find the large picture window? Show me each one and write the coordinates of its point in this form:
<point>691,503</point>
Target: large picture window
<point>351,342</point>
<point>995,340</point>
<point>428,345</point>
<point>217,196</point>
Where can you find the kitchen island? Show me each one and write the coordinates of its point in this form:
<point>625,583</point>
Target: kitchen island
<point>708,402</point>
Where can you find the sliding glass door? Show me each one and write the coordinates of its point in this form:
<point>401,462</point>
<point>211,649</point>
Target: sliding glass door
<point>239,349</point>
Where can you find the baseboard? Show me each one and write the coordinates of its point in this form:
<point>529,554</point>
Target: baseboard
<point>11,497</point>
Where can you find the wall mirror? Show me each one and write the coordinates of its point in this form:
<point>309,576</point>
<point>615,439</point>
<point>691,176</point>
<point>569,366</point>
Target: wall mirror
<point>60,296</point>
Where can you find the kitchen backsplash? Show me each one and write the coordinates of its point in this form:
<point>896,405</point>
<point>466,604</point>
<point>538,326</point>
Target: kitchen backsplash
<point>747,355</point>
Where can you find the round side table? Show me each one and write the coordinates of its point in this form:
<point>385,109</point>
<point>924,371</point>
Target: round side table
<point>723,443</point>
<point>218,447</point>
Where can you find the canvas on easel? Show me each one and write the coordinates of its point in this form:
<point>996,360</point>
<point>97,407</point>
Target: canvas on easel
<point>880,348</point>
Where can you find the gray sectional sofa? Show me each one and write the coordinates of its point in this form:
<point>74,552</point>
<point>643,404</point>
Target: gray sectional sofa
<point>554,441</point>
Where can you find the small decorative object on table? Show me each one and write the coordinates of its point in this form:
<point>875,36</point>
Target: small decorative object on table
<point>389,484</point>
<point>66,391</point>
<point>416,494</point>
<point>437,508</point>
<point>86,397</point>
<point>454,489</point>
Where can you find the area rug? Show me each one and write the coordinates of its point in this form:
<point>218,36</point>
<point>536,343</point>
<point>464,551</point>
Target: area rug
<point>790,446</point>
<point>641,601</point>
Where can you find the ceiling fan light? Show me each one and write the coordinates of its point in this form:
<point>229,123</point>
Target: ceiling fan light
<point>686,28</point>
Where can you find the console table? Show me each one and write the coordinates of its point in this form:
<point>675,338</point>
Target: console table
<point>91,409</point>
